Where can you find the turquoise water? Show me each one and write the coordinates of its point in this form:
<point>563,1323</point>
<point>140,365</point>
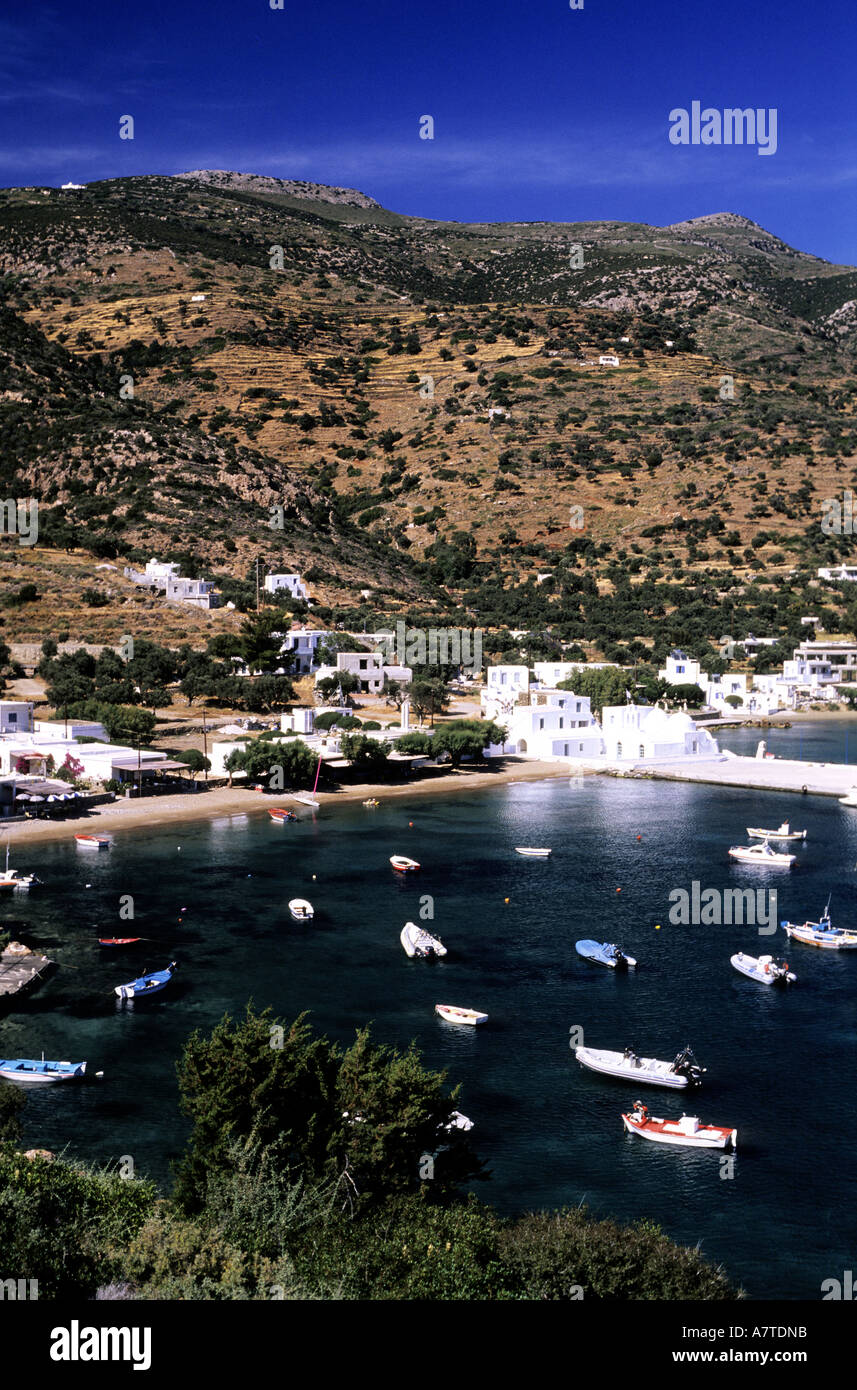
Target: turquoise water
<point>213,896</point>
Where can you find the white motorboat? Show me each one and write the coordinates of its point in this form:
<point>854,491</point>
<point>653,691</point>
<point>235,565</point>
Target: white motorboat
<point>762,854</point>
<point>687,1131</point>
<point>533,853</point>
<point>764,969</point>
<point>822,933</point>
<point>417,942</point>
<point>403,864</point>
<point>850,798</point>
<point>785,832</point>
<point>684,1071</point>
<point>454,1015</point>
<point>301,910</point>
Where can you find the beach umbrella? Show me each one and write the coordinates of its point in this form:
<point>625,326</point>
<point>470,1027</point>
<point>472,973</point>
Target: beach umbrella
<point>21,796</point>
<point>37,798</point>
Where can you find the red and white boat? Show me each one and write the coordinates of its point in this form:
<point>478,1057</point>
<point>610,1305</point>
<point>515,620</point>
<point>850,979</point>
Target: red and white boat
<point>687,1131</point>
<point>403,864</point>
<point>279,814</point>
<point>93,841</point>
<point>118,940</point>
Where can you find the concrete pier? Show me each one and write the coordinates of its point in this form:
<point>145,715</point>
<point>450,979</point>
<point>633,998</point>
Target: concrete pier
<point>757,774</point>
<point>20,968</point>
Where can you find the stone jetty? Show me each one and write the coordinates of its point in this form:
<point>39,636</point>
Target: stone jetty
<point>19,969</point>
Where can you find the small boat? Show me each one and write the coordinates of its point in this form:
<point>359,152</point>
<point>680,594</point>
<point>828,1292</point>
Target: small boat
<point>147,984</point>
<point>403,864</point>
<point>533,853</point>
<point>764,969</point>
<point>784,833</point>
<point>13,878</point>
<point>93,841</point>
<point>29,1072</point>
<point>687,1131</point>
<point>279,815</point>
<point>604,953</point>
<point>301,910</point>
<point>850,798</point>
<point>684,1071</point>
<point>458,1121</point>
<point>822,933</point>
<point>373,801</point>
<point>417,942</point>
<point>118,940</point>
<point>453,1015</point>
<point>762,854</point>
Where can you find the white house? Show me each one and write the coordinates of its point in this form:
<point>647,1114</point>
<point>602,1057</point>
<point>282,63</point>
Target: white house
<point>275,583</point>
<point>167,578</point>
<point>835,573</point>
<point>682,670</point>
<point>303,643</point>
<point>555,724</point>
<point>65,186</point>
<point>608,359</point>
<point>369,668</point>
<point>16,716</point>
<point>503,686</point>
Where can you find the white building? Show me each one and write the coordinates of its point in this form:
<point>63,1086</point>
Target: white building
<point>167,579</point>
<point>682,670</point>
<point>65,186</point>
<point>369,668</point>
<point>292,583</point>
<point>816,664</point>
<point>608,359</point>
<point>303,643</point>
<point>647,733</point>
<point>835,573</point>
<point>555,724</point>
<point>16,717</point>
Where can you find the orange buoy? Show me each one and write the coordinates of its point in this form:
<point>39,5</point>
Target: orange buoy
<point>505,900</point>
<point>639,837</point>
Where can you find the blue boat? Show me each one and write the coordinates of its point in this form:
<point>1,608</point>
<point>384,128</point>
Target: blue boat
<point>604,953</point>
<point>28,1071</point>
<point>147,984</point>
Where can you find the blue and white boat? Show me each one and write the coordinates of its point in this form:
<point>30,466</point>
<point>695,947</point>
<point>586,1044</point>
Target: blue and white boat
<point>822,933</point>
<point>605,953</point>
<point>147,984</point>
<point>27,1071</point>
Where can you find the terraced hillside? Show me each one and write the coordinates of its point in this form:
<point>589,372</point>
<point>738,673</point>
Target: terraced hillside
<point>426,403</point>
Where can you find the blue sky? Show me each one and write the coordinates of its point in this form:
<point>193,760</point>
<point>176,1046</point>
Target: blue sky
<point>541,112</point>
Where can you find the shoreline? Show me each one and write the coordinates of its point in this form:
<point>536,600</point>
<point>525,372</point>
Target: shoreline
<point>187,808</point>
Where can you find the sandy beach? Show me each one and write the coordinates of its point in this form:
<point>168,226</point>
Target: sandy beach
<point>181,809</point>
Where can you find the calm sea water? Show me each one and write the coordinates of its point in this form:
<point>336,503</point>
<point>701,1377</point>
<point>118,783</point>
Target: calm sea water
<point>214,896</point>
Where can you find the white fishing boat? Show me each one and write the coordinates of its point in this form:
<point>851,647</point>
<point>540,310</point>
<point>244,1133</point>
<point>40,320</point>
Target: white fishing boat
<point>533,853</point>
<point>469,1017</point>
<point>764,969</point>
<point>301,910</point>
<point>822,933</point>
<point>684,1071</point>
<point>687,1131</point>
<point>762,854</point>
<point>785,832</point>
<point>402,864</point>
<point>417,942</point>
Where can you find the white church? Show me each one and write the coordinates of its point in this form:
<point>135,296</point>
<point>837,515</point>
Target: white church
<point>550,724</point>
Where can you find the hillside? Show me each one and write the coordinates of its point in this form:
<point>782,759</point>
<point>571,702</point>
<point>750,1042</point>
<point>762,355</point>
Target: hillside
<point>425,402</point>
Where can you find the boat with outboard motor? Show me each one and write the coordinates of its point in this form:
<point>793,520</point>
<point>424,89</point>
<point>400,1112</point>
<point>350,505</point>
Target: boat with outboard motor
<point>301,909</point>
<point>417,942</point>
<point>764,969</point>
<point>684,1071</point>
<point>605,953</point>
<point>762,854</point>
<point>403,864</point>
<point>687,1131</point>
